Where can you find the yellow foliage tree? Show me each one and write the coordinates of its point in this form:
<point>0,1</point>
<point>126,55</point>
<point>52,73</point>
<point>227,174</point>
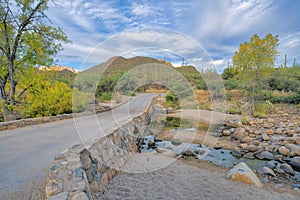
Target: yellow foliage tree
<point>253,61</point>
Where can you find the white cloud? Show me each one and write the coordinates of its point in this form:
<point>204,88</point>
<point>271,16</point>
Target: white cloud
<point>289,44</point>
<point>217,24</point>
<point>141,9</point>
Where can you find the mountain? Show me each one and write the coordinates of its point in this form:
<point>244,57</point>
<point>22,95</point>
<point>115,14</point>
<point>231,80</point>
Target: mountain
<point>57,68</point>
<point>118,64</point>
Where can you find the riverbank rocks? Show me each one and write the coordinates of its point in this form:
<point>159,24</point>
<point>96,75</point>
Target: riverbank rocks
<point>266,155</point>
<point>243,173</point>
<point>287,169</point>
<point>295,163</point>
<point>268,171</point>
<point>284,151</point>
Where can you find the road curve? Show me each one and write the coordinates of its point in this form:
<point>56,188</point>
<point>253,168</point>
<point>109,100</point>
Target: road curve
<point>26,153</point>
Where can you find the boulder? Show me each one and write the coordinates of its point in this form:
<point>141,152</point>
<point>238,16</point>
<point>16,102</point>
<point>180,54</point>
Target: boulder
<point>284,151</point>
<point>295,163</point>
<point>252,148</point>
<point>278,170</point>
<point>270,164</point>
<point>265,155</point>
<point>243,173</point>
<point>294,148</point>
<point>267,171</point>
<point>287,169</point>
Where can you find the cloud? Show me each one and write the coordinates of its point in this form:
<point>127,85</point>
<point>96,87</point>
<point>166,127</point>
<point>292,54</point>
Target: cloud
<point>289,45</point>
<point>220,26</point>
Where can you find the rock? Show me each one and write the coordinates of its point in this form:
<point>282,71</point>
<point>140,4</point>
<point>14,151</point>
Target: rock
<point>243,146</point>
<point>293,148</point>
<point>249,155</point>
<point>54,187</point>
<point>246,139</point>
<point>243,173</point>
<point>239,134</point>
<point>287,169</point>
<point>226,132</point>
<point>295,186</point>
<point>265,137</point>
<point>80,196</point>
<point>278,170</point>
<point>199,151</point>
<point>266,155</point>
<point>252,148</point>
<point>278,131</point>
<point>270,164</point>
<point>236,151</point>
<point>295,163</point>
<point>270,132</point>
<point>60,196</point>
<point>284,151</point>
<point>290,133</point>
<point>188,152</point>
<point>267,171</point>
<point>151,143</point>
<point>176,142</point>
<point>160,150</point>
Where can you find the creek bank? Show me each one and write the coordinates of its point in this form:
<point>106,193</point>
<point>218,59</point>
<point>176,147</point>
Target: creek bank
<point>275,139</point>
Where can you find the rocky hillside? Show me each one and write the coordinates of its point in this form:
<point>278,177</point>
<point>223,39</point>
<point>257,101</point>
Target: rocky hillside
<point>119,64</point>
<point>57,68</point>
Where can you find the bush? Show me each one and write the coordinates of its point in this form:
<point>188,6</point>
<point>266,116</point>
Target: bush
<point>288,98</point>
<point>231,84</point>
<point>263,109</point>
<point>234,111</point>
<point>106,96</point>
<point>245,120</point>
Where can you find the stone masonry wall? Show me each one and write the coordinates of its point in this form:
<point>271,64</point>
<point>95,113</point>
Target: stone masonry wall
<point>78,173</point>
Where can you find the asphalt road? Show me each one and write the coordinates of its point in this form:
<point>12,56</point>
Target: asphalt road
<point>26,153</point>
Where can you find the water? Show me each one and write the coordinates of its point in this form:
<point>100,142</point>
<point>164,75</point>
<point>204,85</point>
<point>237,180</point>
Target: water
<point>219,157</point>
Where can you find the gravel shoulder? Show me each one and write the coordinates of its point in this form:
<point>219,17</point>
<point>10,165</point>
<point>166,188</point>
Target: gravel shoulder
<point>183,179</point>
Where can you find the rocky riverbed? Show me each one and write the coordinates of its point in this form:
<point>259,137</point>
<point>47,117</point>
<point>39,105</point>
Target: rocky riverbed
<point>275,139</point>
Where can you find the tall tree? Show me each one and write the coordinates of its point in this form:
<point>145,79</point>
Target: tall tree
<point>253,61</point>
<point>26,38</point>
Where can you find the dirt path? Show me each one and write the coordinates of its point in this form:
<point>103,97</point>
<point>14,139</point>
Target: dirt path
<point>187,180</point>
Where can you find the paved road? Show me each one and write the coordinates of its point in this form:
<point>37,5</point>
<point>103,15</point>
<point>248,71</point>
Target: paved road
<point>26,153</point>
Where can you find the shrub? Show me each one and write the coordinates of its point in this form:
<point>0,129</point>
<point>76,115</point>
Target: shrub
<point>106,96</point>
<point>263,109</point>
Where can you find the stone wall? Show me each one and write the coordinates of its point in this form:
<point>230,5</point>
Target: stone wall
<point>42,120</point>
<point>78,173</point>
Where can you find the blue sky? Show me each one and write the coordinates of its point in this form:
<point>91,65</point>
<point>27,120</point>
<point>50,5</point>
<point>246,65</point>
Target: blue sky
<point>219,26</point>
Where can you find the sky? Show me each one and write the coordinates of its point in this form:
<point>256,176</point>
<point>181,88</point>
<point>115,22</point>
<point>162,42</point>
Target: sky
<point>209,30</point>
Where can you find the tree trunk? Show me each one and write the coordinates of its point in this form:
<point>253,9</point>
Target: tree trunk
<point>8,115</point>
<point>253,105</point>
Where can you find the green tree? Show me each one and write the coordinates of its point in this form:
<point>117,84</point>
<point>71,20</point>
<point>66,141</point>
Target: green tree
<point>254,60</point>
<point>26,38</point>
